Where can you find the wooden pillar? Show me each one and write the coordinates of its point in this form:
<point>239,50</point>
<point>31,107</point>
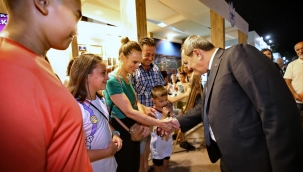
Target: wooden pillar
<point>75,51</point>
<point>2,7</point>
<point>150,34</point>
<point>183,40</point>
<point>242,37</point>
<point>133,16</point>
<point>217,30</point>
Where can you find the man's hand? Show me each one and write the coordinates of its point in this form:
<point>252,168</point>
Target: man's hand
<point>168,126</point>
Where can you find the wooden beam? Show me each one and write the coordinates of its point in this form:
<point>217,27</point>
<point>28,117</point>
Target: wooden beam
<point>217,30</point>
<point>75,51</point>
<point>133,16</point>
<point>141,19</point>
<point>2,7</point>
<point>150,34</point>
<point>242,37</point>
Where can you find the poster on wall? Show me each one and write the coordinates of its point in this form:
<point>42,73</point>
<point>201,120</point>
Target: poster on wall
<point>96,49</point>
<point>82,48</point>
<point>3,21</point>
<point>167,63</point>
<point>109,61</point>
<point>114,61</point>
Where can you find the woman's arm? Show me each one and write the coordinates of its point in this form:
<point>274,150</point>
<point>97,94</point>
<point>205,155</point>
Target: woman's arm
<point>123,103</point>
<point>179,97</point>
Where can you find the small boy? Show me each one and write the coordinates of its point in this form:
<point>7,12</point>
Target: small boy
<point>161,147</point>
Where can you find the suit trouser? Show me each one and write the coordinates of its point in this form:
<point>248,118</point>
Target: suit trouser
<point>300,107</point>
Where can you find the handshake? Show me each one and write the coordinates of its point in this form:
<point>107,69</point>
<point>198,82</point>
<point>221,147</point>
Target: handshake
<point>167,126</point>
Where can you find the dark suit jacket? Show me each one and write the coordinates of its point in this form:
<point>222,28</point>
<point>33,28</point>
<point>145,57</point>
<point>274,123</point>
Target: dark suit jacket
<point>252,113</point>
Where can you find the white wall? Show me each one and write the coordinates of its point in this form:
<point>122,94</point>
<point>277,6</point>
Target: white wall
<point>88,34</point>
<point>59,60</point>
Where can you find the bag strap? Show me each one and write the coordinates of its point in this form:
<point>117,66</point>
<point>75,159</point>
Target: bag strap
<point>90,103</point>
<point>112,105</point>
<point>121,123</point>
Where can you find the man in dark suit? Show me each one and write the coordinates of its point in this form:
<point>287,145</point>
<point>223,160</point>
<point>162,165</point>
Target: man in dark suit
<point>250,117</point>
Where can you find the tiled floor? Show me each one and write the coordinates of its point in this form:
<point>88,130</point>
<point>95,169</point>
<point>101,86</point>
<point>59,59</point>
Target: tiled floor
<point>192,161</point>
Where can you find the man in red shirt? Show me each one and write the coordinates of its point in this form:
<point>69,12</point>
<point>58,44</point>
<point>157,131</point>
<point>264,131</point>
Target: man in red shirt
<point>40,121</point>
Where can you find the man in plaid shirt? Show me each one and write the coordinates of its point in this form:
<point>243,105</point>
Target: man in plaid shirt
<point>144,79</point>
<point>148,75</point>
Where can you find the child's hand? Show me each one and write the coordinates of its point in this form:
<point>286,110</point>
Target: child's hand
<point>165,112</point>
<point>112,147</point>
<point>118,141</point>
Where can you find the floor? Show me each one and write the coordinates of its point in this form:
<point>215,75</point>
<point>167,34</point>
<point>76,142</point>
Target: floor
<point>197,160</point>
<point>192,161</point>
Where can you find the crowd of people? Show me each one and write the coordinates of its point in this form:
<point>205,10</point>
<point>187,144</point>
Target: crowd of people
<point>251,115</point>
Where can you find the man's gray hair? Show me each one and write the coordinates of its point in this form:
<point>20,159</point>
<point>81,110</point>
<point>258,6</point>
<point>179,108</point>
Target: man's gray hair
<point>196,42</point>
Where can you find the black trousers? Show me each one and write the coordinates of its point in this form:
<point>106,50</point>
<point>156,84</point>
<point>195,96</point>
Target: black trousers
<point>128,158</point>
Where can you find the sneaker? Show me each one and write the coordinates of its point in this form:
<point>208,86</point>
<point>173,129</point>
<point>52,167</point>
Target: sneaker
<point>151,169</point>
<point>187,146</point>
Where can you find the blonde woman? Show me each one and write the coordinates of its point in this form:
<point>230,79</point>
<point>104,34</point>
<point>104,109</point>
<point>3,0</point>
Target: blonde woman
<point>120,95</point>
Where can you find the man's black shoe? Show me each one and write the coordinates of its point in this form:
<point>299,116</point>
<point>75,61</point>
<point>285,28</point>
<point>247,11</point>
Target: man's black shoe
<point>187,146</point>
<point>174,136</point>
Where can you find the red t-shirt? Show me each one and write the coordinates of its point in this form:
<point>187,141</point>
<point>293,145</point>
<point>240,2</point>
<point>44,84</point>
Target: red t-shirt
<point>40,121</point>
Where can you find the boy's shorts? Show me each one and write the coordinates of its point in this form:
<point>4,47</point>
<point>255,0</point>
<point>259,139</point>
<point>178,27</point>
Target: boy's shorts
<point>159,162</point>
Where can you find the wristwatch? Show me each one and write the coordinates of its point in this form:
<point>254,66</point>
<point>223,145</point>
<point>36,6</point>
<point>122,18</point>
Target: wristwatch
<point>115,132</point>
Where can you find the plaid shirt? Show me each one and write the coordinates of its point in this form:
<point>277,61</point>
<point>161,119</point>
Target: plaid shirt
<point>144,81</point>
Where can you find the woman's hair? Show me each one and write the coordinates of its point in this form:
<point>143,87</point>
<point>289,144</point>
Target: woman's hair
<point>82,66</point>
<point>69,66</point>
<point>158,91</point>
<point>127,46</point>
<point>266,49</point>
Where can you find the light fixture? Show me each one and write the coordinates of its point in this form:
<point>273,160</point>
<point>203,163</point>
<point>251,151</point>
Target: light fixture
<point>98,12</point>
<point>170,36</point>
<point>162,24</point>
<point>270,41</point>
<point>267,37</point>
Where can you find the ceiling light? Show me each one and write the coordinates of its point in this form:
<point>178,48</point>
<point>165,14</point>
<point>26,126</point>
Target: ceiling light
<point>162,24</point>
<point>170,36</point>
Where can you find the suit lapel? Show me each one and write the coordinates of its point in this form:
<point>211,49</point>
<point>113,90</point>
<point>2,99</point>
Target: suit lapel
<point>213,73</point>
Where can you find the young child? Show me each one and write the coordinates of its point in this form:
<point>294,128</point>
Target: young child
<point>87,76</point>
<point>161,147</point>
<point>182,86</point>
